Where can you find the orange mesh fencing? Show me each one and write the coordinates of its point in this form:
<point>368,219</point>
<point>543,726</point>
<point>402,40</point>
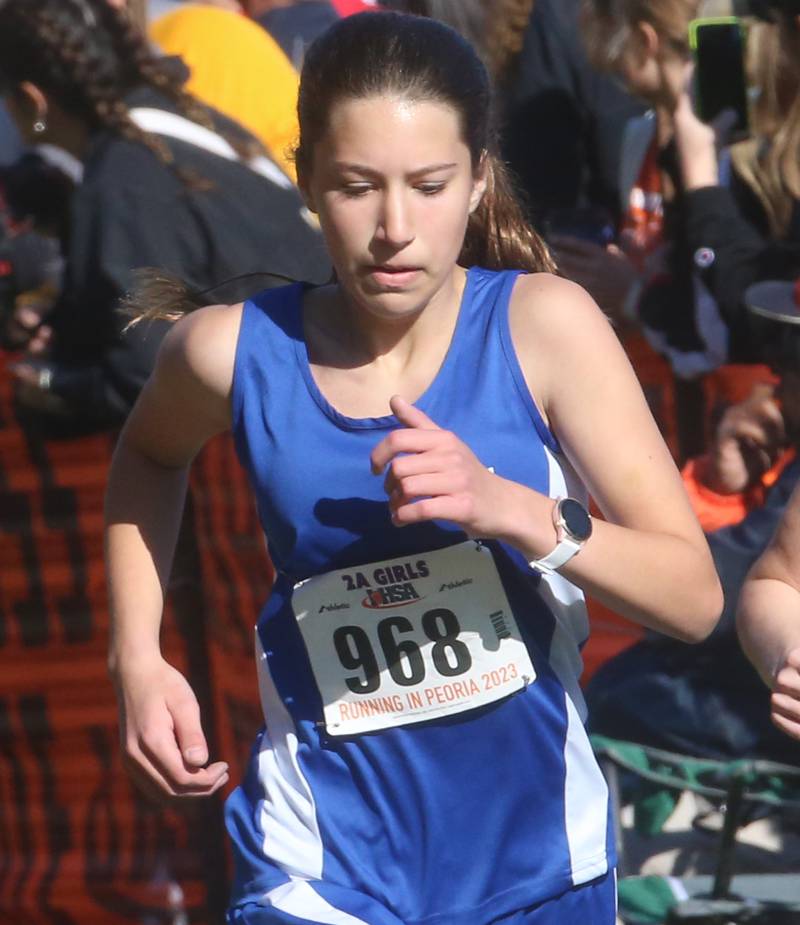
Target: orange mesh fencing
<point>77,844</point>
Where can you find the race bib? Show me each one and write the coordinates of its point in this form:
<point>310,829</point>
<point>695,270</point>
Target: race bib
<point>407,640</point>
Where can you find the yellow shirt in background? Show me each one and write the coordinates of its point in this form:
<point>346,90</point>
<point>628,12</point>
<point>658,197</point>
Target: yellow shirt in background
<point>237,68</point>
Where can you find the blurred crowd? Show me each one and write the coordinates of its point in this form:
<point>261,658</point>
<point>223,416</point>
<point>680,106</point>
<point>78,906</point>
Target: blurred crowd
<point>154,138</point>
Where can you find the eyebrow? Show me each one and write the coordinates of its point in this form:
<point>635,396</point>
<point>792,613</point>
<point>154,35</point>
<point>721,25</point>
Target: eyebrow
<point>369,172</point>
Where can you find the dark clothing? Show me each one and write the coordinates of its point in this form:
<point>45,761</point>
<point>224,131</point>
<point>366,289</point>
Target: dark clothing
<point>133,211</point>
<point>707,699</point>
<point>731,224</point>
<point>295,27</point>
<point>563,122</point>
<point>719,235</point>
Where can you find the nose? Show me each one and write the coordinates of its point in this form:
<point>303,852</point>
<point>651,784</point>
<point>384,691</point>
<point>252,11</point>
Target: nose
<point>395,224</point>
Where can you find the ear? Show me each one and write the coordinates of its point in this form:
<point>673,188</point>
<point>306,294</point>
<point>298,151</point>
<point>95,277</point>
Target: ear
<point>32,99</point>
<point>647,40</point>
<point>480,180</point>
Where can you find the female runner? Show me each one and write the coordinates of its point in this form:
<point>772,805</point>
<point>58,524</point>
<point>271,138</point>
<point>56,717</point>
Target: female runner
<point>408,431</point>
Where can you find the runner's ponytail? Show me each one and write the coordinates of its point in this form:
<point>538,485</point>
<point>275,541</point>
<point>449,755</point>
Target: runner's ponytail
<point>498,235</point>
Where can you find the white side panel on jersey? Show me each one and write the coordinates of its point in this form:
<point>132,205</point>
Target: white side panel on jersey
<point>585,789</point>
<point>566,602</point>
<point>585,803</point>
<point>286,812</point>
<point>299,898</point>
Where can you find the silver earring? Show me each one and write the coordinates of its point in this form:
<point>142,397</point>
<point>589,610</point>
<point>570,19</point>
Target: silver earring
<point>39,126</point>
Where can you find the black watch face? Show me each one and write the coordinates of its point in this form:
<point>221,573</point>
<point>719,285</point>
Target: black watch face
<point>576,519</point>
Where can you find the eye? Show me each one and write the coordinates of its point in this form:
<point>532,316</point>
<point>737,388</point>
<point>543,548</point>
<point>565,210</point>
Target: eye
<point>431,188</point>
<point>354,190</point>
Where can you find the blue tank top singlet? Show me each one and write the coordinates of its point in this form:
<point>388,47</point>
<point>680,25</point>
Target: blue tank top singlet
<point>423,758</point>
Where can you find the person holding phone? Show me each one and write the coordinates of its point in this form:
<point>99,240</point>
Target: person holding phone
<point>646,273</point>
<point>692,239</point>
<point>747,228</point>
<point>417,434</point>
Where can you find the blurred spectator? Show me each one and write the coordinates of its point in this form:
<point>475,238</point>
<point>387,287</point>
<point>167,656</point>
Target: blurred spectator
<point>10,142</point>
<point>238,69</point>
<point>663,279</point>
<point>710,701</point>
<point>647,45</point>
<point>37,197</point>
<point>748,227</point>
<point>564,121</point>
<point>561,121</point>
<point>180,193</point>
<point>294,24</point>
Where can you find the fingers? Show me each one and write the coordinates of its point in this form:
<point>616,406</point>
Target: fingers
<point>786,714</point>
<point>405,467</point>
<point>413,438</point>
<point>41,340</point>
<point>155,762</point>
<point>787,681</point>
<point>167,750</point>
<point>25,373</point>
<point>188,730</point>
<point>425,485</point>
<point>785,700</point>
<point>409,414</point>
<point>456,508</point>
<point>758,420</point>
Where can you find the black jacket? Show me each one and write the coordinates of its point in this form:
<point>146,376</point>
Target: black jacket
<point>730,224</point>
<point>562,121</point>
<point>133,211</point>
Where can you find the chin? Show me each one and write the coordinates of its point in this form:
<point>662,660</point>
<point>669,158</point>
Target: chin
<point>392,304</point>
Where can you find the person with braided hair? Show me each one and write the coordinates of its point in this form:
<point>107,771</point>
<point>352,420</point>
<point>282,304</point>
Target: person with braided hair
<point>167,183</point>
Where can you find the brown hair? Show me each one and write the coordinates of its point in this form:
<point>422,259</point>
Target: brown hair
<point>88,55</point>
<point>770,161</point>
<point>496,28</point>
<point>505,33</point>
<point>421,59</point>
<point>607,25</point>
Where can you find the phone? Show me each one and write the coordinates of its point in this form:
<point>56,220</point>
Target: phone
<point>720,82</point>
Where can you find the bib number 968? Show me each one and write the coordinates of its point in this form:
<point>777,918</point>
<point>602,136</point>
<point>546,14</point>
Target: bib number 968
<point>400,650</point>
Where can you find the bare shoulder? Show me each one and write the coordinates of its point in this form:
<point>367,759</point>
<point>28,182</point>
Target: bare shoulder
<point>557,329</point>
<point>546,305</point>
<point>202,347</point>
<point>187,399</point>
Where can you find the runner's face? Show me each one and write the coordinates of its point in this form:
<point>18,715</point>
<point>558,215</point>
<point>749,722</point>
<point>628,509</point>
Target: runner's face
<point>393,184</point>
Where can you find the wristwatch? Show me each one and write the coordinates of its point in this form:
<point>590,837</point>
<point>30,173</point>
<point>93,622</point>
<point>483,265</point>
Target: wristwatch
<point>573,527</point>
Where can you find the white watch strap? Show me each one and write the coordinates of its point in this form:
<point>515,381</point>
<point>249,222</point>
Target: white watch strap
<point>563,552</point>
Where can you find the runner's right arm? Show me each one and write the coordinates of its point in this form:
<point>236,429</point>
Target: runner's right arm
<point>185,402</point>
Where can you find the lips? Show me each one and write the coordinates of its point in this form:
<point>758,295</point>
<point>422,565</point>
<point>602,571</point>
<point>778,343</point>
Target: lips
<point>391,275</point>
